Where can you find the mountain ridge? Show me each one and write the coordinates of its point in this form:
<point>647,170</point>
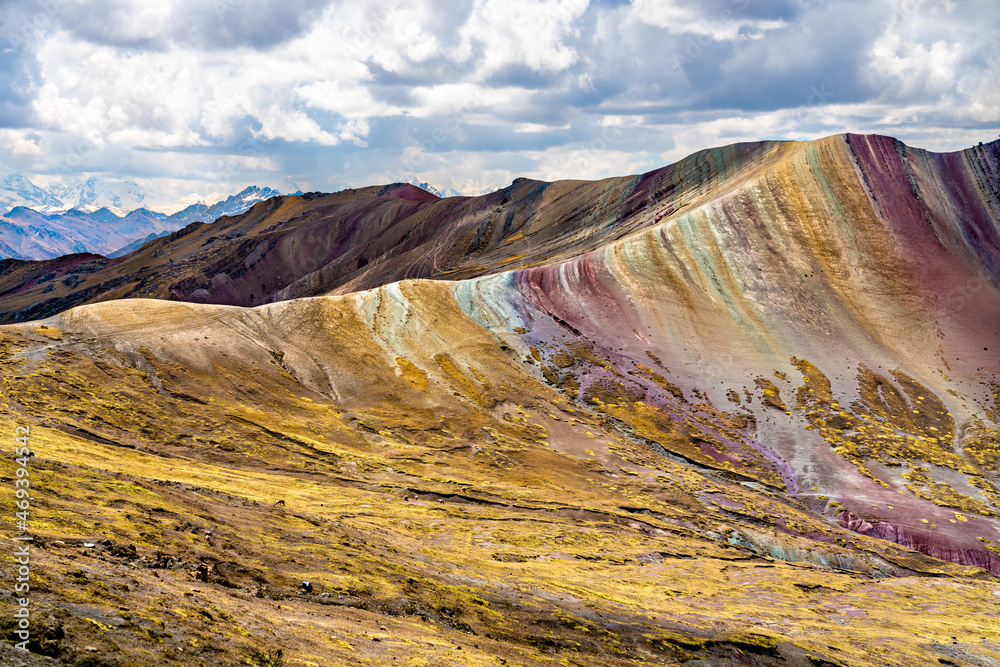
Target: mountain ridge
<point>399,215</point>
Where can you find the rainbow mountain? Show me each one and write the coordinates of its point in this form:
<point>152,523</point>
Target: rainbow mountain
<point>569,421</point>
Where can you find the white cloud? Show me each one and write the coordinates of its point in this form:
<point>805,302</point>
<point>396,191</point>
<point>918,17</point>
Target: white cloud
<point>130,21</point>
<point>19,144</point>
<point>521,32</point>
<point>473,93</point>
<point>726,23</point>
<point>528,128</point>
<point>183,97</point>
<point>621,121</point>
<point>915,68</point>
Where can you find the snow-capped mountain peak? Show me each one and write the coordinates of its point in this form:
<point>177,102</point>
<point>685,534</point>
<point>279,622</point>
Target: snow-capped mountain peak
<point>448,192</point>
<point>251,195</point>
<point>93,193</point>
<point>16,190</point>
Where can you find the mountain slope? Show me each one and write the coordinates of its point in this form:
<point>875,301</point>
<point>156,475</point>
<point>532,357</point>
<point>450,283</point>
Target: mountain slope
<point>33,234</point>
<point>885,303</point>
<point>431,479</point>
<point>742,409</point>
<point>355,239</point>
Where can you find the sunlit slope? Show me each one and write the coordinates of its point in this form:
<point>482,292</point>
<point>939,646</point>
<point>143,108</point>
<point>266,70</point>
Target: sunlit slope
<point>447,483</point>
<point>869,317</point>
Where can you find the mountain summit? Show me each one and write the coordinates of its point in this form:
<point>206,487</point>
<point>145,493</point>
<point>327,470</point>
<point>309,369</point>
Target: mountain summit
<point>16,190</point>
<point>93,193</point>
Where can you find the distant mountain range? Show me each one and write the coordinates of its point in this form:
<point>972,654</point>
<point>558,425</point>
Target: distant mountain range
<point>448,192</point>
<point>105,217</point>
<point>87,195</point>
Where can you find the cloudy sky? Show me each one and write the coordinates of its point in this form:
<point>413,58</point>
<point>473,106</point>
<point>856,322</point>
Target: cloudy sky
<point>206,96</point>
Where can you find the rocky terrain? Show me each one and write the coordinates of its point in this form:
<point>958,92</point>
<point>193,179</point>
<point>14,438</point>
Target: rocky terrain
<point>742,410</point>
